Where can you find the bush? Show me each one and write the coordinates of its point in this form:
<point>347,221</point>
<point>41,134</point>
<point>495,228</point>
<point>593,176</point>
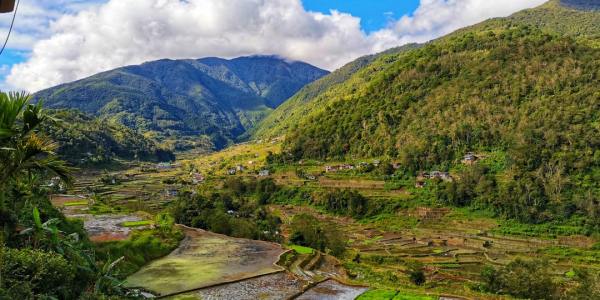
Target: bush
<point>344,202</point>
<point>520,278</point>
<point>416,273</point>
<point>310,232</point>
<point>28,274</point>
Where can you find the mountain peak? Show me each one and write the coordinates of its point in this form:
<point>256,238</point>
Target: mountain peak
<point>216,97</point>
<point>582,4</point>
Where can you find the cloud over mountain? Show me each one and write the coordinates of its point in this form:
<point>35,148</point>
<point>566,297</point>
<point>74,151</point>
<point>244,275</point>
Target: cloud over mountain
<point>123,32</point>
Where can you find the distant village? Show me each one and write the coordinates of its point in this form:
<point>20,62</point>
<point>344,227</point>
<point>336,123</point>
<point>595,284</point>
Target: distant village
<point>196,178</point>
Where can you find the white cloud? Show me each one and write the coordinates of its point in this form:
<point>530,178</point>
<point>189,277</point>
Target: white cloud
<point>435,18</point>
<point>90,39</point>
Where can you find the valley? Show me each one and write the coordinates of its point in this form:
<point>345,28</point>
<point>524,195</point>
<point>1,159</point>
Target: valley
<point>454,245</point>
<point>466,167</point>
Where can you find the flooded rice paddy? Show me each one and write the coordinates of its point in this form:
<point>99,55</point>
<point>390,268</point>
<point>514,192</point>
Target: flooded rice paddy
<point>204,259</point>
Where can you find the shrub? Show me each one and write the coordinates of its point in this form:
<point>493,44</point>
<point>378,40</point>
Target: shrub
<point>520,278</point>
<point>416,273</point>
<point>310,232</point>
<point>344,202</point>
<point>28,274</point>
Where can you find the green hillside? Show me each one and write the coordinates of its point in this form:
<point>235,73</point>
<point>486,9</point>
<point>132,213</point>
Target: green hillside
<point>553,16</point>
<point>292,110</point>
<point>84,140</point>
<point>527,93</point>
<point>178,101</point>
<point>557,16</point>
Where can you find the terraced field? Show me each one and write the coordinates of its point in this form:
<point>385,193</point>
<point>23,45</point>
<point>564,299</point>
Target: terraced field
<point>204,259</point>
<point>453,251</point>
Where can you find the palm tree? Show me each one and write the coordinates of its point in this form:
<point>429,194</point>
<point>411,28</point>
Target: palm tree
<point>22,150</point>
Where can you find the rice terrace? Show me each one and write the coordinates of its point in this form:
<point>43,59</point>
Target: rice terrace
<point>300,149</point>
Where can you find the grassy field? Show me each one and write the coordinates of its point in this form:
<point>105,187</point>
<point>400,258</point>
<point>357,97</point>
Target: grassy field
<point>301,249</point>
<point>392,295</point>
<point>137,223</point>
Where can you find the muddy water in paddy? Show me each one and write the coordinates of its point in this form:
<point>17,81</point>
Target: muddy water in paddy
<point>100,228</point>
<point>281,285</point>
<point>204,259</point>
<point>332,290</point>
<point>103,228</point>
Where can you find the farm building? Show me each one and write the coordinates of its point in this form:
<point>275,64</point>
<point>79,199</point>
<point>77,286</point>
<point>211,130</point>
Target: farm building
<point>197,178</point>
<point>469,158</point>
<point>428,213</point>
<point>434,175</point>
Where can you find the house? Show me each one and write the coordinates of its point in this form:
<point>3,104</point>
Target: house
<point>57,185</point>
<point>231,171</point>
<point>239,168</point>
<point>376,162</point>
<point>440,175</point>
<point>164,166</point>
<point>311,177</point>
<point>171,192</point>
<point>420,184</point>
<point>469,158</point>
<point>330,169</point>
<point>396,166</point>
<point>197,178</point>
<point>429,213</point>
<point>264,173</point>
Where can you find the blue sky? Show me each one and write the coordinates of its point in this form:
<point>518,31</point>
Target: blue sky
<point>374,14</point>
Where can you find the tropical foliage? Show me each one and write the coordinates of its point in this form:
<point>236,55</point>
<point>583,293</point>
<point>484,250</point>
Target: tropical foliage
<point>42,254</point>
<point>237,211</point>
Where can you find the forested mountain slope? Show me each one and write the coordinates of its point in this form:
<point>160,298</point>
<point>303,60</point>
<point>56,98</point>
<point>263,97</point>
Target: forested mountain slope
<point>187,98</point>
<point>292,110</point>
<point>528,93</point>
<point>85,140</point>
<point>556,16</point>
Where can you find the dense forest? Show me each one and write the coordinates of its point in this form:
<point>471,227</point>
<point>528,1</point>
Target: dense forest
<point>551,17</point>
<point>529,94</point>
<point>293,109</point>
<point>85,140</point>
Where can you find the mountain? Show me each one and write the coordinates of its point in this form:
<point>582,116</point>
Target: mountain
<point>179,100</point>
<point>312,95</point>
<point>522,91</point>
<point>582,4</point>
<point>85,140</point>
<point>560,17</point>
